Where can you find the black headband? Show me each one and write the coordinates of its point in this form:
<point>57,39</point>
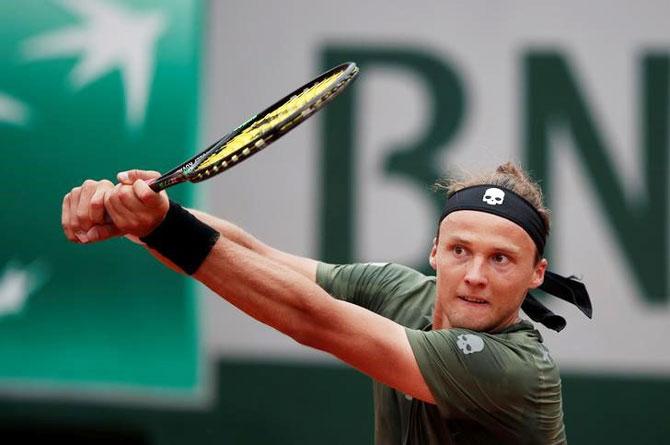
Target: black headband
<point>507,204</point>
<point>502,202</point>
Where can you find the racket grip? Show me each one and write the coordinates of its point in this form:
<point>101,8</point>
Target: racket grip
<point>167,180</point>
<point>153,184</point>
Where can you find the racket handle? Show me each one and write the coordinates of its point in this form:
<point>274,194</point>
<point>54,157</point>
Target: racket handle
<point>167,180</point>
<point>153,184</point>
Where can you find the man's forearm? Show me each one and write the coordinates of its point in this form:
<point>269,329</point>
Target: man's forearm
<point>302,265</point>
<point>267,290</point>
<point>230,231</point>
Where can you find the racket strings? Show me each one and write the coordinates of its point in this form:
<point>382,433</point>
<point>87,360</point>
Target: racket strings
<point>250,140</point>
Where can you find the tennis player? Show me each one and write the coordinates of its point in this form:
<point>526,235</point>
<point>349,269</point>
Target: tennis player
<point>451,358</point>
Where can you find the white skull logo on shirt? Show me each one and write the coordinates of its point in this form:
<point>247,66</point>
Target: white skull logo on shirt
<point>469,343</point>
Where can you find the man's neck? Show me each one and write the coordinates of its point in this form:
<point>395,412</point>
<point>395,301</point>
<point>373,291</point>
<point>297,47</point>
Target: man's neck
<point>440,321</point>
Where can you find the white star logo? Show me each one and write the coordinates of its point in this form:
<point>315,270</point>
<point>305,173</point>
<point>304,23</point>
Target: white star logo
<point>13,111</point>
<point>109,37</point>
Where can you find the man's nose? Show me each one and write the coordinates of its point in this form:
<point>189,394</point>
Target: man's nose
<point>475,274</point>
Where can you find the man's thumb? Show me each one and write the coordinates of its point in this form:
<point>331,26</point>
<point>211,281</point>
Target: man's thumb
<point>129,177</point>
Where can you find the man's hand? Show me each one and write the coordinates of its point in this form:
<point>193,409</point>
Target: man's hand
<point>133,207</point>
<point>83,214</point>
<point>99,210</point>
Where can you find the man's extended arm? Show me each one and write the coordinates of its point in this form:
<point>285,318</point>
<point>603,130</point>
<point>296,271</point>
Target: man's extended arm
<point>275,289</point>
<point>289,302</point>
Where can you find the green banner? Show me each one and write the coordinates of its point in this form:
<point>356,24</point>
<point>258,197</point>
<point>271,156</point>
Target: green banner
<point>90,88</point>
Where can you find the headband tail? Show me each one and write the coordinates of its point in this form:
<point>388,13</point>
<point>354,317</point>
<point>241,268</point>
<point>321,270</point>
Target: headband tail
<point>568,289</point>
<point>541,314</point>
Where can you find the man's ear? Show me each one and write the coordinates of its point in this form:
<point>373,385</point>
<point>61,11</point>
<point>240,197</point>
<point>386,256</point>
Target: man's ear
<point>431,257</point>
<point>538,273</point>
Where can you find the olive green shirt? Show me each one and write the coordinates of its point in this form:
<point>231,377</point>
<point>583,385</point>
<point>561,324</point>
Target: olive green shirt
<point>489,388</point>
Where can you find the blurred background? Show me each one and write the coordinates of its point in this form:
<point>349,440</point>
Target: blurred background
<point>100,344</point>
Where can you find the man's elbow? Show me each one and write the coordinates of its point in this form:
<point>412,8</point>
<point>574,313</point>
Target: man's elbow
<point>312,326</point>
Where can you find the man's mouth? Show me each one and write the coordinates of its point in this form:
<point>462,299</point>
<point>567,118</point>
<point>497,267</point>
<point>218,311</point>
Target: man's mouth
<point>473,300</point>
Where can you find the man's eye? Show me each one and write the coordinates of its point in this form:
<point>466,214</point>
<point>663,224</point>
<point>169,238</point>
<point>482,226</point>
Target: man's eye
<point>459,250</point>
<point>499,258</point>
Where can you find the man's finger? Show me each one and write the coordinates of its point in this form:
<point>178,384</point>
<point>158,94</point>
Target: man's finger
<point>72,211</point>
<point>88,189</point>
<point>116,209</point>
<point>130,176</point>
<point>97,203</point>
<point>65,219</point>
<point>125,194</point>
<point>110,214</point>
<point>148,197</point>
<point>102,232</point>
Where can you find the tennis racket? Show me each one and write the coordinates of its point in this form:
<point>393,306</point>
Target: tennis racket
<point>260,130</point>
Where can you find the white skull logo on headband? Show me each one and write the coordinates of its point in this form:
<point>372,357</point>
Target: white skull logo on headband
<point>494,196</point>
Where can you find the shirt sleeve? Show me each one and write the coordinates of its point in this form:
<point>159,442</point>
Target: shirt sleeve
<point>361,284</point>
<point>472,374</point>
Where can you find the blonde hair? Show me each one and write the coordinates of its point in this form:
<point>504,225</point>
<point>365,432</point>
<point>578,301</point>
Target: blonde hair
<point>507,175</point>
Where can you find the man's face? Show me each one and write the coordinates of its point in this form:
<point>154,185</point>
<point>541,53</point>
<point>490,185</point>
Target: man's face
<point>485,265</point>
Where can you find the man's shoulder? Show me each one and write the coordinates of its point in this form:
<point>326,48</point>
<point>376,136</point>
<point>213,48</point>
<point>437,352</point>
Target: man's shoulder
<point>527,356</point>
<point>517,355</point>
<point>380,272</point>
<point>400,271</point>
<point>506,378</point>
<point>392,290</point>
<point>388,267</point>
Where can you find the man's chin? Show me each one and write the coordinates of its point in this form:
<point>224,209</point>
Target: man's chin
<point>473,325</point>
<point>481,324</point>
<point>464,321</point>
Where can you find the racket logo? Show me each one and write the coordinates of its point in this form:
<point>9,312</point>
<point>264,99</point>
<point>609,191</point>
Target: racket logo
<point>188,167</point>
<point>191,165</point>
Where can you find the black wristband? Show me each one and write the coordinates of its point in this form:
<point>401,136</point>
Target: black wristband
<point>182,238</point>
